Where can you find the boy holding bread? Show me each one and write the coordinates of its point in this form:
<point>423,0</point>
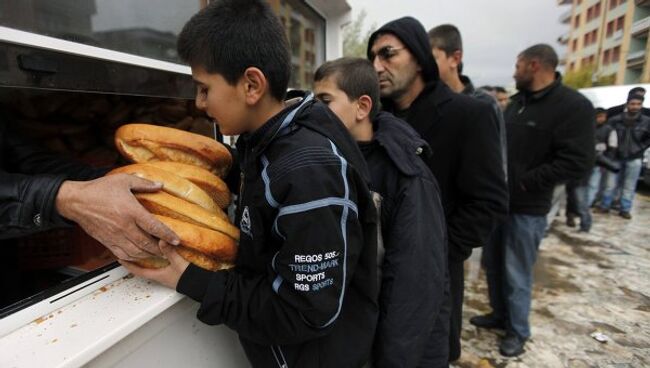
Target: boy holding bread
<point>414,294</point>
<point>304,287</point>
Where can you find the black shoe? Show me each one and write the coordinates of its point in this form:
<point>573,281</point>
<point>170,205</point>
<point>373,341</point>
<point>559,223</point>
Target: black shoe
<point>512,345</point>
<point>625,215</point>
<point>488,321</point>
<point>570,221</point>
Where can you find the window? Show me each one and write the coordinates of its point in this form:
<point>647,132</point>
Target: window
<point>576,21</point>
<point>574,45</point>
<point>572,65</point>
<point>132,26</point>
<point>606,57</point>
<point>610,28</point>
<point>586,40</point>
<point>592,58</point>
<point>616,54</point>
<point>597,10</point>
<point>620,23</point>
<point>590,13</point>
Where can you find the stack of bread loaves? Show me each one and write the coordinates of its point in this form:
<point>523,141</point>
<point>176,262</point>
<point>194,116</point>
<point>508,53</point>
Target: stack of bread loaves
<point>192,199</point>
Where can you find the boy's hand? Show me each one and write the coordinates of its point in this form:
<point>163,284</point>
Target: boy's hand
<point>167,276</point>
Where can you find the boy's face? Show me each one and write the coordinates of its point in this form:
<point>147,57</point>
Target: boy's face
<point>327,91</point>
<point>222,102</point>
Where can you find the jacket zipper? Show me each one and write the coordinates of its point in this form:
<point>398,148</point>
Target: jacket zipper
<point>279,358</point>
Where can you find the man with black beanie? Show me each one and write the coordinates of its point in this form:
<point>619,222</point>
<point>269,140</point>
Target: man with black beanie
<point>466,158</point>
<point>619,109</point>
<point>631,132</point>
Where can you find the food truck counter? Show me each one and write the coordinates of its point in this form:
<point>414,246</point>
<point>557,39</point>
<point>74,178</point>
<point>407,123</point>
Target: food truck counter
<point>130,322</point>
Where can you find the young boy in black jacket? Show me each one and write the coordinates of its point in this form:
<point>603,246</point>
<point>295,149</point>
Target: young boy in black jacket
<point>303,292</point>
<point>414,298</point>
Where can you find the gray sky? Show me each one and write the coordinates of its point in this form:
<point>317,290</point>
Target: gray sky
<point>494,31</point>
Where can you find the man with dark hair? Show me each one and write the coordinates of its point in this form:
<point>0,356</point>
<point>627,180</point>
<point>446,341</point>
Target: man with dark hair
<point>413,250</point>
<point>447,49</point>
<point>304,291</point>
<point>631,132</point>
<point>466,161</point>
<point>502,97</point>
<point>619,109</point>
<point>550,141</point>
<point>596,182</point>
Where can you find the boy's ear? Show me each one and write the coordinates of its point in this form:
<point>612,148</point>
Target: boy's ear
<point>254,83</point>
<point>457,57</point>
<point>364,105</point>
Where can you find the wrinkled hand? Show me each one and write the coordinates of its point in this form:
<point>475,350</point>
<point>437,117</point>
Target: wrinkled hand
<point>167,276</point>
<point>109,212</point>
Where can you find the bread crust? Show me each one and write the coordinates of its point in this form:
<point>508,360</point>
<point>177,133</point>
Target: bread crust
<point>140,143</point>
<point>172,184</point>
<point>210,183</point>
<point>213,244</point>
<point>161,203</point>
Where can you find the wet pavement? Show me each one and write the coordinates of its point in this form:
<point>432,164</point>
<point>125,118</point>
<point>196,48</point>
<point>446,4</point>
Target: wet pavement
<point>584,283</point>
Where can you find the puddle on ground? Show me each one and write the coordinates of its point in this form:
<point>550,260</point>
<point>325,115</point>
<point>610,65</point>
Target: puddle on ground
<point>546,277</point>
<point>636,295</point>
<point>632,343</point>
<point>544,312</point>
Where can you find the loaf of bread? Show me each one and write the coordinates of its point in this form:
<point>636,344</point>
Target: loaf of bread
<point>172,184</point>
<point>189,255</point>
<point>145,143</point>
<point>210,183</point>
<point>213,244</point>
<point>161,203</point>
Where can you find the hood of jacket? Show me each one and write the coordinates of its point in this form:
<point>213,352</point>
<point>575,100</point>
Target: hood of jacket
<point>413,35</point>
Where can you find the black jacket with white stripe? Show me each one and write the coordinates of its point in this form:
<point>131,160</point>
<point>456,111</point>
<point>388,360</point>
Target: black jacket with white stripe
<point>304,289</point>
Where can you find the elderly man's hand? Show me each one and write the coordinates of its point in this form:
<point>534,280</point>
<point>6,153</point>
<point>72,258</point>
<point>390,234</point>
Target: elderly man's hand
<point>109,212</point>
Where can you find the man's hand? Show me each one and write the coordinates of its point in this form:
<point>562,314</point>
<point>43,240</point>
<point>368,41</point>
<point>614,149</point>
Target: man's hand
<point>167,276</point>
<point>109,212</point>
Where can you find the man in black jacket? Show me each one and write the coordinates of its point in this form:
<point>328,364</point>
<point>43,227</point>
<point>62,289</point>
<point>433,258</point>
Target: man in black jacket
<point>41,191</point>
<point>550,140</point>
<point>447,49</point>
<point>631,132</point>
<point>596,181</point>
<point>619,109</point>
<point>414,294</point>
<point>303,292</point>
<point>466,158</point>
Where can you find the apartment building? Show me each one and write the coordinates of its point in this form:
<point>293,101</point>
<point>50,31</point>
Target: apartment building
<point>609,36</point>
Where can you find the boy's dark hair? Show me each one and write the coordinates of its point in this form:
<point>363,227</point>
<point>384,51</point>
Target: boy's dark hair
<point>500,89</point>
<point>228,36</point>
<point>543,53</point>
<point>355,77</point>
<point>636,91</point>
<point>447,38</point>
<point>486,88</point>
<point>600,110</point>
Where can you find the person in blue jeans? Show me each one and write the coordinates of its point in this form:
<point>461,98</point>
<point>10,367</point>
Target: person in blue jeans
<point>550,135</point>
<point>631,131</point>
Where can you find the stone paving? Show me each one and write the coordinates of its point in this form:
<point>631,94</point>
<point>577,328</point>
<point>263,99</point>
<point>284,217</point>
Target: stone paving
<point>584,283</point>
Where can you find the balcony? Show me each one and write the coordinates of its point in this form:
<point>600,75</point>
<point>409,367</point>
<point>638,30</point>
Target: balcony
<point>618,35</point>
<point>640,27</point>
<point>565,18</point>
<point>563,39</point>
<point>636,59</point>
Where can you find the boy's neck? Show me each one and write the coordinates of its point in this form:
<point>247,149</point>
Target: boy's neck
<point>362,131</point>
<point>264,112</point>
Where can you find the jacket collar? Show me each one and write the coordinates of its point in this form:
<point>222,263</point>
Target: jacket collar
<point>528,96</point>
<point>401,143</point>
